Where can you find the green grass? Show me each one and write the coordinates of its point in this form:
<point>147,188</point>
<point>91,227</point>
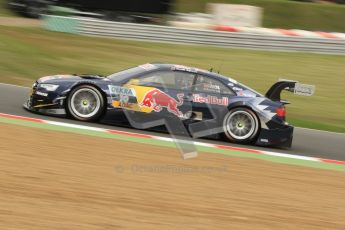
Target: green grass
<point>284,13</point>
<point>282,160</point>
<point>27,53</point>
<point>4,11</point>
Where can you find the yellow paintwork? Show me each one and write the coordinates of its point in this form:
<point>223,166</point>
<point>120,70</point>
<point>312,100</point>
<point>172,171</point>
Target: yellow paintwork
<point>140,92</point>
<point>39,106</point>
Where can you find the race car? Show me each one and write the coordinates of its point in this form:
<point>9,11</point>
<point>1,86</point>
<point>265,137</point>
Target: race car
<point>205,102</point>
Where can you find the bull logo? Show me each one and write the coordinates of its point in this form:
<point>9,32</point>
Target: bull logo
<point>157,100</point>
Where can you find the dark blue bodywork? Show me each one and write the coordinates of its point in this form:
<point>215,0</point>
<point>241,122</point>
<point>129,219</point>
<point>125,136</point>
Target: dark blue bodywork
<point>274,130</point>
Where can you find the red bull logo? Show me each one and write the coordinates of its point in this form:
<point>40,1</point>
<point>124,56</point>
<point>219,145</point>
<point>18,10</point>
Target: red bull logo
<point>157,100</point>
<point>224,101</point>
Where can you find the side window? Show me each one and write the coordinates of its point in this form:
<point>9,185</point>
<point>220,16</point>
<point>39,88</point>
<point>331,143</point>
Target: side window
<point>205,84</point>
<point>184,80</point>
<point>168,79</point>
<point>158,79</point>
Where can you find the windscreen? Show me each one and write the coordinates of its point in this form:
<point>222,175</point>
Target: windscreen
<point>125,74</point>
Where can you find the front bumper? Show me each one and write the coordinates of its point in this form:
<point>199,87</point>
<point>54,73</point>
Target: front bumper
<point>47,108</point>
<point>280,137</point>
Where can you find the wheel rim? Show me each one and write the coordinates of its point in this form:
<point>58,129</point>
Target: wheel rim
<point>85,103</point>
<point>241,125</point>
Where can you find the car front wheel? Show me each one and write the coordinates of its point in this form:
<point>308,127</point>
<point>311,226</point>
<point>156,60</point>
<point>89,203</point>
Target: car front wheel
<point>85,103</point>
<point>241,125</point>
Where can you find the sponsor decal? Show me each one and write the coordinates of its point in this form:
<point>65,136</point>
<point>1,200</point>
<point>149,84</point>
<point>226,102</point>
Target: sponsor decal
<point>224,101</point>
<point>123,97</point>
<point>237,89</point>
<point>211,87</point>
<point>41,94</point>
<point>184,68</point>
<point>304,89</point>
<point>232,80</point>
<point>201,70</point>
<point>43,105</point>
<point>148,66</point>
<point>246,93</point>
<point>157,100</point>
<point>123,91</point>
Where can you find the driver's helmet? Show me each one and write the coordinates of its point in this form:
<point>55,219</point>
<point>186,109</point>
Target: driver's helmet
<point>200,85</point>
<point>183,82</point>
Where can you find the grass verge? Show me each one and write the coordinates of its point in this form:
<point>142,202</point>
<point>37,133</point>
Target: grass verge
<point>282,160</point>
<point>29,53</point>
<point>4,11</point>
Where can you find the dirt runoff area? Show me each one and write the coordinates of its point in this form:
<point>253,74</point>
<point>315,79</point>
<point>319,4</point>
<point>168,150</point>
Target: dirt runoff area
<point>20,22</point>
<point>56,180</point>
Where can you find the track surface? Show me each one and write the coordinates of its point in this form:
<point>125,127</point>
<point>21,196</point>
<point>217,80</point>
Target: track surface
<point>306,142</point>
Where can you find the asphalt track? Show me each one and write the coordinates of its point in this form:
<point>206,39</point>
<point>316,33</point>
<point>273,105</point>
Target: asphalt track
<point>307,142</point>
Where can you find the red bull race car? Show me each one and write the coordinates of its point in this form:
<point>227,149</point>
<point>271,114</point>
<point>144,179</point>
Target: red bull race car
<point>206,103</point>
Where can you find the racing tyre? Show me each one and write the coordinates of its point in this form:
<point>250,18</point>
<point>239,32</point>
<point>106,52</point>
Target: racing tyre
<point>85,103</point>
<point>241,125</point>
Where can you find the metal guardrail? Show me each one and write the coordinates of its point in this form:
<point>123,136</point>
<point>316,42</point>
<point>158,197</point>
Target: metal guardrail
<point>168,34</point>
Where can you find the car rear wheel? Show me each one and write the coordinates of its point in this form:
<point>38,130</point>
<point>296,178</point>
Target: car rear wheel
<point>241,125</point>
<point>85,103</point>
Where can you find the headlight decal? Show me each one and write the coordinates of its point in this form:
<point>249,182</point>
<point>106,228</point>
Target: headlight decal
<point>49,87</point>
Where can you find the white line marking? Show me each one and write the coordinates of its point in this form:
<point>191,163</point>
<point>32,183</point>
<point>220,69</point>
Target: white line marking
<point>277,154</point>
<point>162,138</point>
<point>318,130</point>
<point>74,126</point>
<point>204,144</point>
<point>168,139</point>
<point>19,86</point>
<point>85,127</point>
<point>286,155</point>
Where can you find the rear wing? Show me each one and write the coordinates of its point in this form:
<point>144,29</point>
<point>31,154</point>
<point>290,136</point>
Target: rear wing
<point>293,86</point>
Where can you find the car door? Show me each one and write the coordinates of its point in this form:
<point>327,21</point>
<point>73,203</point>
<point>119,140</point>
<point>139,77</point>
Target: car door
<point>210,94</point>
<point>163,92</point>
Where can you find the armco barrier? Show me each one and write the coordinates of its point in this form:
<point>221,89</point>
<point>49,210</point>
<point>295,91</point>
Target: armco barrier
<point>157,33</point>
<point>61,24</point>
